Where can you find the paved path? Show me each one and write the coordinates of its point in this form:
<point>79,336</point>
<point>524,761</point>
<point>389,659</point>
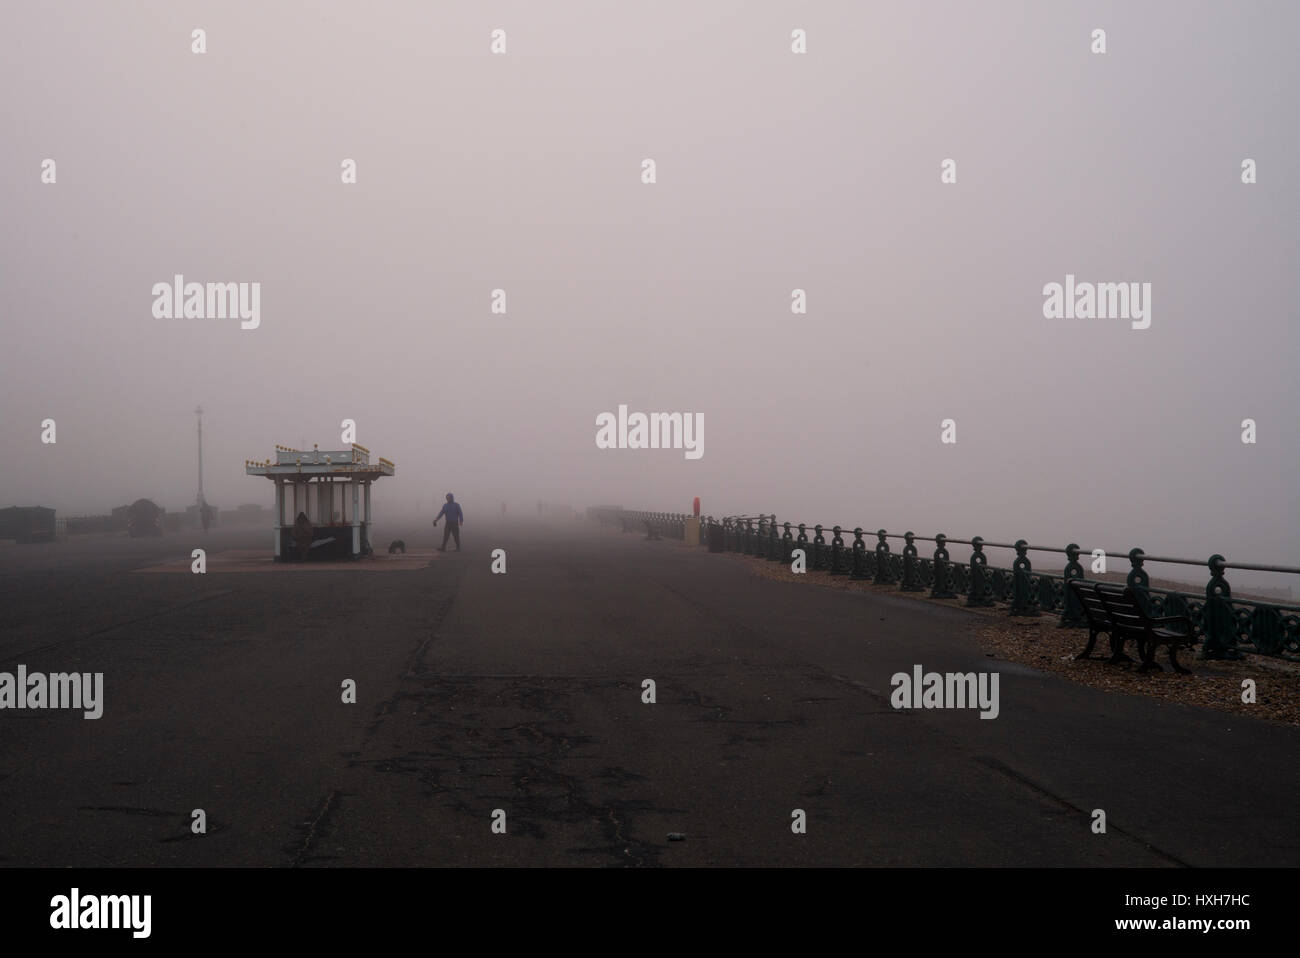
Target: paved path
<point>522,692</point>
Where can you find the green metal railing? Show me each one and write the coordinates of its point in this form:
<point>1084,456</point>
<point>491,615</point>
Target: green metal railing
<point>1225,626</point>
<point>668,525</point>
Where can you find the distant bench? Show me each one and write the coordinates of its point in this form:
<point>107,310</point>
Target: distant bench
<point>1118,612</point>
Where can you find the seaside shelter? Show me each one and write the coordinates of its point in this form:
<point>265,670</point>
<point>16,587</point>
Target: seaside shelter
<point>322,500</point>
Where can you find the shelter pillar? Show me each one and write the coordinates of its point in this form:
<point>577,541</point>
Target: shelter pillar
<point>279,515</point>
<point>356,517</point>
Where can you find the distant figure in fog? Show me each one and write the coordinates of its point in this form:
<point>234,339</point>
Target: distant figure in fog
<point>455,517</point>
<point>303,534</point>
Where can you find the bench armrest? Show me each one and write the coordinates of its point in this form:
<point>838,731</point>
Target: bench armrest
<point>1175,620</point>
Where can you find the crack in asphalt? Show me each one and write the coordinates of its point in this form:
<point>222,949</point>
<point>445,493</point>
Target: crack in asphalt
<point>313,827</point>
<point>1021,779</point>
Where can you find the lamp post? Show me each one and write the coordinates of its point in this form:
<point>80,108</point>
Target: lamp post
<point>198,411</point>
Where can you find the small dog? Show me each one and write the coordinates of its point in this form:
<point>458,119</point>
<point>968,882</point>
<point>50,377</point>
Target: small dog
<point>397,545</point>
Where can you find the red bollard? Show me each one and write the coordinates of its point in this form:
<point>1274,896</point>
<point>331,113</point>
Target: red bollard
<point>697,507</point>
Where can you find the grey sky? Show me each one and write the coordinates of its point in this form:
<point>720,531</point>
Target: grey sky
<point>775,171</point>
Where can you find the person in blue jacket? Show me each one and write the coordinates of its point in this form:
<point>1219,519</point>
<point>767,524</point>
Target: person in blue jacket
<point>455,517</point>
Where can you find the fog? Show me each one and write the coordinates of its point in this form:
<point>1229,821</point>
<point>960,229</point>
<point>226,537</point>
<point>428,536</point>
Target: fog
<point>775,171</point>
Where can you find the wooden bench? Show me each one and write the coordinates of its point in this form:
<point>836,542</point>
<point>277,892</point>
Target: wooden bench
<point>1130,621</point>
<point>1098,621</point>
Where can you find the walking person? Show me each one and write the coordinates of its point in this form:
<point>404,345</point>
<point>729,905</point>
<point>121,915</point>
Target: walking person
<point>455,518</point>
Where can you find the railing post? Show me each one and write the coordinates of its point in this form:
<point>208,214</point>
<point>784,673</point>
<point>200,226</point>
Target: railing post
<point>979,586</point>
<point>1138,580</point>
<point>774,544</point>
<point>942,571</point>
<point>911,571</point>
<point>819,548</point>
<point>884,575</point>
<point>801,542</point>
<point>859,555</point>
<point>1023,600</point>
<point>838,565</point>
<point>787,545</point>
<point>1219,619</point>
<point>1071,609</point>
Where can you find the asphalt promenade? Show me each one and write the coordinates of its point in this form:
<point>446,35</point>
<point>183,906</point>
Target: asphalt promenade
<point>522,692</point>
